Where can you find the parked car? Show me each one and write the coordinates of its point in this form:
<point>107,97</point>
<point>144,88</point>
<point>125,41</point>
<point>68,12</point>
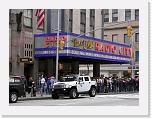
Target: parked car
<point>73,85</point>
<point>16,88</point>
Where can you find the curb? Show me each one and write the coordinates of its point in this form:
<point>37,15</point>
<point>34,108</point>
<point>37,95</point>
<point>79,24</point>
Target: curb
<point>50,97</point>
<point>34,98</point>
<point>117,93</point>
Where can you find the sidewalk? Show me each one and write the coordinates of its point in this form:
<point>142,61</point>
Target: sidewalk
<point>37,97</point>
<point>47,96</point>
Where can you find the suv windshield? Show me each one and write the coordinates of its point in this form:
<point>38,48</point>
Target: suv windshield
<point>68,78</point>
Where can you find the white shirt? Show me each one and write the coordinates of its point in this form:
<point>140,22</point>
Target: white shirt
<point>42,80</point>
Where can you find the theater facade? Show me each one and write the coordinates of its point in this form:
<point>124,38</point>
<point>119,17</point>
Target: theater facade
<point>75,49</point>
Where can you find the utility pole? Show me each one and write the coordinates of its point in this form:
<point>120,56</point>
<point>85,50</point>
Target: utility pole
<point>57,46</point>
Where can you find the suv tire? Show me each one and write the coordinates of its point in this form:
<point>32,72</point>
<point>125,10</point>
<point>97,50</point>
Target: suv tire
<point>73,93</point>
<point>13,97</point>
<point>55,96</point>
<point>92,92</point>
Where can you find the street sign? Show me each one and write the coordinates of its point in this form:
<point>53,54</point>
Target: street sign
<point>24,59</point>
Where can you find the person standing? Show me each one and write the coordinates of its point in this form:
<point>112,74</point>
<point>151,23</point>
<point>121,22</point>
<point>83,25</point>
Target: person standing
<point>42,85</point>
<point>30,84</point>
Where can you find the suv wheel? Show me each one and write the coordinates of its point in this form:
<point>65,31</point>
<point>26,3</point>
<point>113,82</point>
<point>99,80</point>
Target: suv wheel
<point>55,96</point>
<point>13,97</point>
<point>92,92</point>
<point>73,93</point>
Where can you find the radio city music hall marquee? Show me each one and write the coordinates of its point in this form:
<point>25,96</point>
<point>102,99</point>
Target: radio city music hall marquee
<point>71,44</point>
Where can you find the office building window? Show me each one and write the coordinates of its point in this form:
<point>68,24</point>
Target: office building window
<point>127,14</point>
<point>114,15</point>
<point>126,39</point>
<point>28,17</point>
<point>137,14</point>
<point>105,37</point>
<point>137,56</point>
<point>83,21</point>
<point>70,19</point>
<point>106,15</point>
<point>115,38</point>
<point>92,22</point>
<point>136,37</point>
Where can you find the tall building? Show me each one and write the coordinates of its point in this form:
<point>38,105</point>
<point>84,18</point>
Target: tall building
<point>22,26</point>
<point>86,22</point>
<point>90,22</point>
<point>115,23</point>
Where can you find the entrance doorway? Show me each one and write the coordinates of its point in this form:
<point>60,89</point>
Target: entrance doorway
<point>28,69</point>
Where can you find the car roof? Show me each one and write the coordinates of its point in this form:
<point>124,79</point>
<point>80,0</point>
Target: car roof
<point>16,76</point>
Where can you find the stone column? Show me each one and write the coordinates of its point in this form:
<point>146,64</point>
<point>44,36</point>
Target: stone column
<point>96,70</point>
<point>75,67</point>
<point>50,67</point>
<point>35,70</point>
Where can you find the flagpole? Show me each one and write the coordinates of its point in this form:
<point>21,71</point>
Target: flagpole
<point>57,47</point>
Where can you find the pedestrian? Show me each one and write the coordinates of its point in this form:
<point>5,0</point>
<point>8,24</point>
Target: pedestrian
<point>49,85</point>
<point>42,85</point>
<point>105,85</point>
<point>30,84</point>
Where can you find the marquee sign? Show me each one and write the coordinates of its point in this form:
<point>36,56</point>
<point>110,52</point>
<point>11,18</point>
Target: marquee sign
<point>71,44</point>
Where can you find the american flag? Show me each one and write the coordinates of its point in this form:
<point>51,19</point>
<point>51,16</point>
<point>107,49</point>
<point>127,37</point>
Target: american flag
<point>40,17</point>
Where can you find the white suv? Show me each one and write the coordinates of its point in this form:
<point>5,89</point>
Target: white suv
<point>73,85</point>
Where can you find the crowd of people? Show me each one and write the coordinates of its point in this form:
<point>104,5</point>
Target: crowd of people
<point>115,84</point>
<point>104,84</point>
<point>45,84</point>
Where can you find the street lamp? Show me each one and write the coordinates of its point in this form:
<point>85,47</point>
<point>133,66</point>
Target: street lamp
<point>57,47</point>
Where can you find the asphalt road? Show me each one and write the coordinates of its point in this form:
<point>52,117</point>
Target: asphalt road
<point>99,100</point>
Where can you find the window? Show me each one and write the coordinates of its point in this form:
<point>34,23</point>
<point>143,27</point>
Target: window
<point>127,15</point>
<point>25,52</point>
<point>115,38</point>
<point>92,22</point>
<point>92,31</point>
<point>114,15</point>
<point>105,37</point>
<point>86,78</point>
<point>83,22</point>
<point>136,37</point>
<point>137,14</point>
<point>137,56</point>
<point>80,78</point>
<point>126,40</point>
<point>28,18</point>
<point>106,15</point>
<point>70,19</point>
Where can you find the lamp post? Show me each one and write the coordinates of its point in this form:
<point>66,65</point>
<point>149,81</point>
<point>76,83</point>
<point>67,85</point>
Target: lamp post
<point>57,47</point>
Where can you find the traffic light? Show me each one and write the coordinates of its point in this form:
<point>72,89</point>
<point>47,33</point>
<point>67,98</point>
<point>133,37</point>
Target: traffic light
<point>30,60</point>
<point>129,31</point>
